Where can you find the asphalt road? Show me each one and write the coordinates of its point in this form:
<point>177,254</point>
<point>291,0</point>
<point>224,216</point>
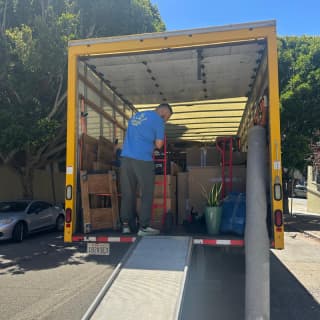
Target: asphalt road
<point>42,278</point>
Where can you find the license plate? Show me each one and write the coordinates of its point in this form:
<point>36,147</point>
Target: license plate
<point>99,249</point>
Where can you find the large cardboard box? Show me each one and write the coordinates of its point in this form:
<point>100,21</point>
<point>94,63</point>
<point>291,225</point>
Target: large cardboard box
<point>202,157</point>
<point>171,189</point>
<point>158,210</point>
<point>183,195</point>
<point>174,168</point>
<point>171,186</point>
<point>238,158</point>
<point>206,177</point>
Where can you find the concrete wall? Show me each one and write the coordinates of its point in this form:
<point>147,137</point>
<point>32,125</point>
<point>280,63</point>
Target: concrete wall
<point>313,194</point>
<point>10,186</point>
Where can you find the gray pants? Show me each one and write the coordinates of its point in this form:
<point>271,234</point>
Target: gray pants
<point>134,173</point>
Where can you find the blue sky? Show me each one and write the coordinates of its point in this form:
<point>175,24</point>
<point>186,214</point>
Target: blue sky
<point>294,17</point>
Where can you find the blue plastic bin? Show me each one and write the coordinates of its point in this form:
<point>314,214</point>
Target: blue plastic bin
<point>233,214</point>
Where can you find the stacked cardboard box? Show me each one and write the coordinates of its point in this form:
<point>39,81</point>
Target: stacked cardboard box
<point>158,200</point>
<point>171,186</point>
<point>202,157</point>
<point>182,196</point>
<point>158,211</point>
<point>206,177</point>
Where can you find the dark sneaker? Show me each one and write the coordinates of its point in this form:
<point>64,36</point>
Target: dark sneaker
<point>148,231</point>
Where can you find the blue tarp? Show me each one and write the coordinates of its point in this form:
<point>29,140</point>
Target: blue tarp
<point>233,214</point>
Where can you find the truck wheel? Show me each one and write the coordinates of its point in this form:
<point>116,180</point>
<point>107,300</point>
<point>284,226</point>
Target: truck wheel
<point>19,232</point>
<point>60,223</point>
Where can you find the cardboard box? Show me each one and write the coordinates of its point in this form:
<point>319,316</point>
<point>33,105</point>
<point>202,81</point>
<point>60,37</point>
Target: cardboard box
<point>105,153</point>
<point>89,152</point>
<point>238,158</point>
<point>174,168</point>
<point>159,188</point>
<point>183,195</point>
<point>158,212</point>
<point>202,157</point>
<point>207,177</point>
<point>171,186</point>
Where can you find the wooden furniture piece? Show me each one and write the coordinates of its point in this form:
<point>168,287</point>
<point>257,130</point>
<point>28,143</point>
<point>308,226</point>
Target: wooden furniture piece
<point>99,201</point>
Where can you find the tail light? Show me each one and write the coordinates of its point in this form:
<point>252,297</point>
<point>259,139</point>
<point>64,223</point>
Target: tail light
<point>278,219</point>
<point>68,215</point>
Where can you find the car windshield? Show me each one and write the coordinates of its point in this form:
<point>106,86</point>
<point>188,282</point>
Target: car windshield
<point>13,206</point>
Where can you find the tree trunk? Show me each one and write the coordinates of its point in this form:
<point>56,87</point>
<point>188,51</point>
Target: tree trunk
<point>26,175</point>
<point>53,186</point>
<point>285,197</point>
<point>4,17</point>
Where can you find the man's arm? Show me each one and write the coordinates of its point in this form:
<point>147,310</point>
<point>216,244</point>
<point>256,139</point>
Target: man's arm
<point>159,141</point>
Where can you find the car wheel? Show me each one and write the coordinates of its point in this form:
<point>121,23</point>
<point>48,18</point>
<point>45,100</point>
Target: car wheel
<point>60,223</point>
<point>19,232</point>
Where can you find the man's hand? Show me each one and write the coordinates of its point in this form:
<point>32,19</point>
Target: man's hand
<point>159,144</point>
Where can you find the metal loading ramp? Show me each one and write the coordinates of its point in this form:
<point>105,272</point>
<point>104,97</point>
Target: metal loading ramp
<point>151,282</point>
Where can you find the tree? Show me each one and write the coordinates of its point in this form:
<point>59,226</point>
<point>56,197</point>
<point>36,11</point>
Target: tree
<point>33,39</point>
<point>299,78</point>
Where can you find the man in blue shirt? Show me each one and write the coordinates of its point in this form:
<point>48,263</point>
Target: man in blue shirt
<point>145,132</point>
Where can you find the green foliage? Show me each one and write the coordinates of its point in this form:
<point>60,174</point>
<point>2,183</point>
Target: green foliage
<point>102,18</point>
<point>33,54</point>
<point>299,78</point>
<point>212,196</point>
<point>34,43</point>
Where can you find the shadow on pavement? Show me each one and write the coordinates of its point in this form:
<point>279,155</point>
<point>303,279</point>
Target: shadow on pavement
<point>216,289</point>
<point>303,222</point>
<point>47,250</point>
<point>289,299</point>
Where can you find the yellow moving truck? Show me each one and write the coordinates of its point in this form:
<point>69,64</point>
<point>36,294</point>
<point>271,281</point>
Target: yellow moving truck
<point>220,81</point>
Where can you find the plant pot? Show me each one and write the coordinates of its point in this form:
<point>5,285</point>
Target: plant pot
<point>213,219</point>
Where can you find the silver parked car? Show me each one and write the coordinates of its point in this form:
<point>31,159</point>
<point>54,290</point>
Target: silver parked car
<point>299,191</point>
<point>18,218</point>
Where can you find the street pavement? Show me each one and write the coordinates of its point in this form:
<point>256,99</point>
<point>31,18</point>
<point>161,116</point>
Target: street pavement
<point>43,278</point>
<point>301,220</point>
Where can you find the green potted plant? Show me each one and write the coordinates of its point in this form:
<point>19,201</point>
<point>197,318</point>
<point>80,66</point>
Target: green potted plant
<point>213,210</point>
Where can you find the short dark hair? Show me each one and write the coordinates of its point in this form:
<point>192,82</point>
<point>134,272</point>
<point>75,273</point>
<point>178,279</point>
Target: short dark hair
<point>165,105</point>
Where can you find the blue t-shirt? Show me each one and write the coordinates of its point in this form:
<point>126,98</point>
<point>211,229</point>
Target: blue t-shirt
<point>143,129</point>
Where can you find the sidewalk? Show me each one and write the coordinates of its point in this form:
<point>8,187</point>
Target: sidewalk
<point>305,222</point>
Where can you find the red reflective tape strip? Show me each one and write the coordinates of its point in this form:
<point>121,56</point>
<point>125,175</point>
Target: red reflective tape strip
<point>103,239</point>
<point>127,239</point>
<point>219,242</point>
<point>209,241</point>
<point>77,238</point>
<point>237,243</point>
